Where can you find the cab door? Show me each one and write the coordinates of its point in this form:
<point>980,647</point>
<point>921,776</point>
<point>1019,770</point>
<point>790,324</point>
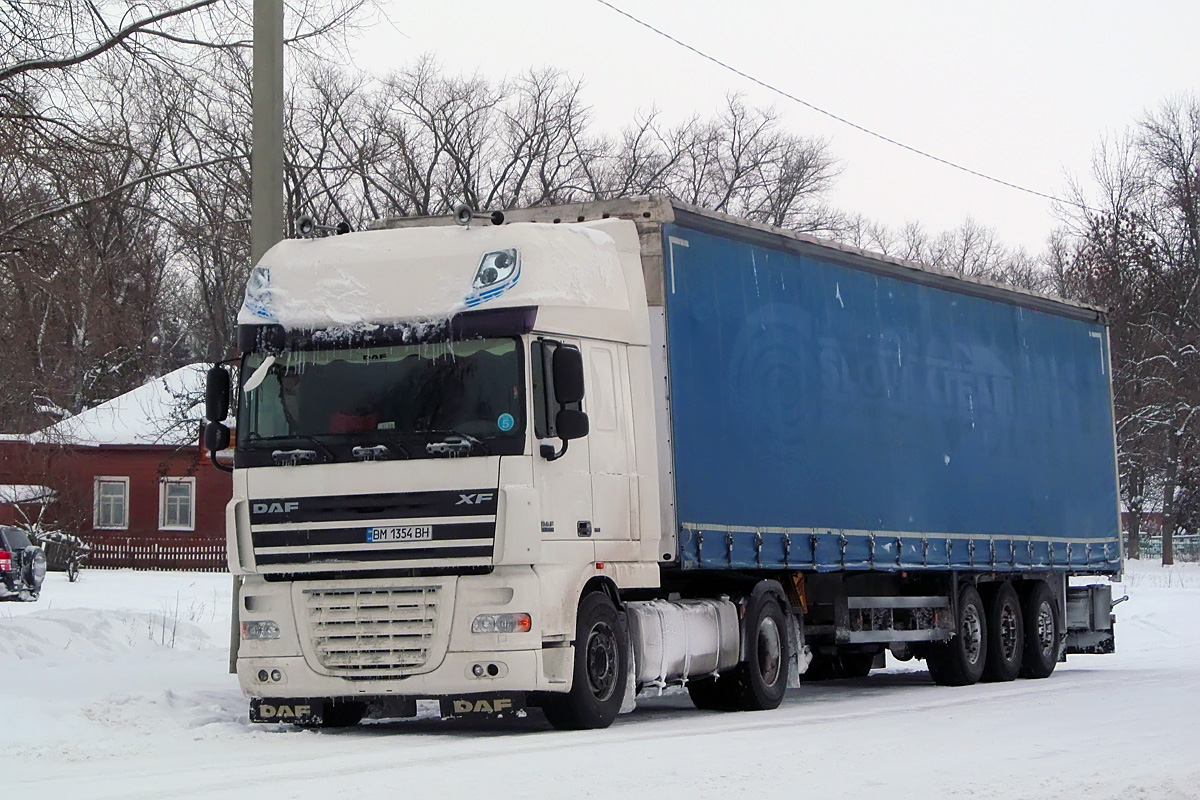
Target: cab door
<point>607,403</point>
<point>564,483</point>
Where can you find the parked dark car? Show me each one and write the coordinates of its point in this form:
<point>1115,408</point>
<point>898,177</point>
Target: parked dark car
<point>22,566</point>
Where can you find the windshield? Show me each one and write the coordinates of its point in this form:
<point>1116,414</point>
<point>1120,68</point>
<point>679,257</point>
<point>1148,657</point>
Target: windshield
<point>396,401</point>
<point>16,538</point>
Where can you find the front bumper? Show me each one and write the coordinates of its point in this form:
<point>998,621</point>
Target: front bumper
<point>333,641</point>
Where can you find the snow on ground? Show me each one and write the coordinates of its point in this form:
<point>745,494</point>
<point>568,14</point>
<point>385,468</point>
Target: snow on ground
<point>117,687</point>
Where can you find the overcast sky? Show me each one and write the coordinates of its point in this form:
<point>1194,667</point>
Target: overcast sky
<point>1019,90</point>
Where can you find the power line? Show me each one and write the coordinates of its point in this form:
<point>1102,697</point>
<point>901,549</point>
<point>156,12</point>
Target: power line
<point>829,114</point>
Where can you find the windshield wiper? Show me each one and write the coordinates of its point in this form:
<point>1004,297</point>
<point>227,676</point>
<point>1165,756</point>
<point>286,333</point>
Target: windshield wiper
<point>303,437</point>
<point>456,443</point>
<point>378,452</point>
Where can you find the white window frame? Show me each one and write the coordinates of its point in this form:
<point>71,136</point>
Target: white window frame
<point>99,479</point>
<point>163,483</point>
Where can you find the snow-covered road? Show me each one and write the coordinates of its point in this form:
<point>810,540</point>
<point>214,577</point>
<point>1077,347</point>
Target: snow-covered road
<point>116,687</point>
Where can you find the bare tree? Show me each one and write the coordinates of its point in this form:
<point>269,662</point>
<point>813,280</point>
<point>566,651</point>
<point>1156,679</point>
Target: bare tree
<point>1141,257</point>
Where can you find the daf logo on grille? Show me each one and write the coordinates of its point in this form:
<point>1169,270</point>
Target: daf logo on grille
<point>275,508</point>
<point>475,499</point>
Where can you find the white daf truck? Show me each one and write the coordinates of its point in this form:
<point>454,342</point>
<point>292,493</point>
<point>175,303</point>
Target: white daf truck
<point>556,457</point>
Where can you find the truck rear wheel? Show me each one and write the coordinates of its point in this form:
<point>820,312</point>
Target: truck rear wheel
<point>601,670</point>
<point>1043,631</point>
<point>759,682</point>
<point>1005,634</point>
<point>960,661</point>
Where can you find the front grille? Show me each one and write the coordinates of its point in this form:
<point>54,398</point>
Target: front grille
<point>371,632</point>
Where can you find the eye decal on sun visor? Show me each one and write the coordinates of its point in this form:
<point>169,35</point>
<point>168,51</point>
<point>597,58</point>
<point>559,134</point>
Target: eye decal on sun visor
<point>497,273</point>
<point>260,299</point>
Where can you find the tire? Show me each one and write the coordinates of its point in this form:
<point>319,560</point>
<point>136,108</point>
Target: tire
<point>715,694</point>
<point>827,667</point>
<point>72,570</point>
<point>1005,634</point>
<point>759,682</point>
<point>960,661</point>
<point>601,669</point>
<point>762,677</point>
<point>856,665</point>
<point>1043,631</point>
<point>35,568</point>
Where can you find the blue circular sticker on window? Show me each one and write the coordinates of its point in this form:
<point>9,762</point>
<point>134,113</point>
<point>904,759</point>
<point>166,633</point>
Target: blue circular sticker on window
<point>505,422</point>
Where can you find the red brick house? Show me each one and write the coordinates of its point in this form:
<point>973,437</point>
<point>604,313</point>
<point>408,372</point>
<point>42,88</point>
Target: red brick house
<point>128,476</point>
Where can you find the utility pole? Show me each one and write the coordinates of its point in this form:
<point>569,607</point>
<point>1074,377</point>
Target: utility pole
<point>266,153</point>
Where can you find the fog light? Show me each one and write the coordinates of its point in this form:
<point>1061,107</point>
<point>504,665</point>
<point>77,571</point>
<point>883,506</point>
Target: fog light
<point>262,676</point>
<point>260,629</point>
<point>477,670</point>
<point>502,623</point>
<point>276,675</point>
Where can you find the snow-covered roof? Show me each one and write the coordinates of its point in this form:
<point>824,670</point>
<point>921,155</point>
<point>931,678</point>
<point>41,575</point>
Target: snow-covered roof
<point>25,493</point>
<point>163,411</point>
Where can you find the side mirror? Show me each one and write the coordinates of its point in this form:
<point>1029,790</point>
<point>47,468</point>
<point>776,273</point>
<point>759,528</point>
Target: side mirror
<point>216,438</point>
<point>568,376</point>
<point>216,397</point>
<point>571,424</point>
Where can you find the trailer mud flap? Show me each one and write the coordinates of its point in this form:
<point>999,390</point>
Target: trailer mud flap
<point>296,710</point>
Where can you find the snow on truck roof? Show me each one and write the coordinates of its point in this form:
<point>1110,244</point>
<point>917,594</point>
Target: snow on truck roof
<point>580,277</point>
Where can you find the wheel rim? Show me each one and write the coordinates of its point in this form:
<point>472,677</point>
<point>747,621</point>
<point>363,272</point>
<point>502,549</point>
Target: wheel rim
<point>602,661</point>
<point>972,633</point>
<point>1045,629</point>
<point>770,651</point>
<point>1008,631</point>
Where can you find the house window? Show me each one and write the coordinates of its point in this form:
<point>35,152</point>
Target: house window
<point>112,504</point>
<point>176,504</point>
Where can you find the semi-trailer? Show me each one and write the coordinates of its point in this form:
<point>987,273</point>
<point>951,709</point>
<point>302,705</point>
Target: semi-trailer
<point>559,456</point>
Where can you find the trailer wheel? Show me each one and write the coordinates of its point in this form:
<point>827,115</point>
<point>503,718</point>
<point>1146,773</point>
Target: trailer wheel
<point>960,661</point>
<point>1043,630</point>
<point>1006,634</point>
<point>601,667</point>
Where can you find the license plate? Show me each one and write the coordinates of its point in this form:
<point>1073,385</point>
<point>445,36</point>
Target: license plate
<point>477,705</point>
<point>297,710</point>
<point>401,533</point>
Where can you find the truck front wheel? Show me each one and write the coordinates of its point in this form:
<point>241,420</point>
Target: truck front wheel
<point>601,670</point>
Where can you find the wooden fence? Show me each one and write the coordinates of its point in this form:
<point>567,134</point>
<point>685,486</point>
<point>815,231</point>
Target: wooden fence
<point>169,551</point>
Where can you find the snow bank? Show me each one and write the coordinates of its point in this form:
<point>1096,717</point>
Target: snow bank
<point>117,687</point>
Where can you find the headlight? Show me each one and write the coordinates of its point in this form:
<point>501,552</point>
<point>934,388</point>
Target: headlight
<point>260,629</point>
<point>502,623</point>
